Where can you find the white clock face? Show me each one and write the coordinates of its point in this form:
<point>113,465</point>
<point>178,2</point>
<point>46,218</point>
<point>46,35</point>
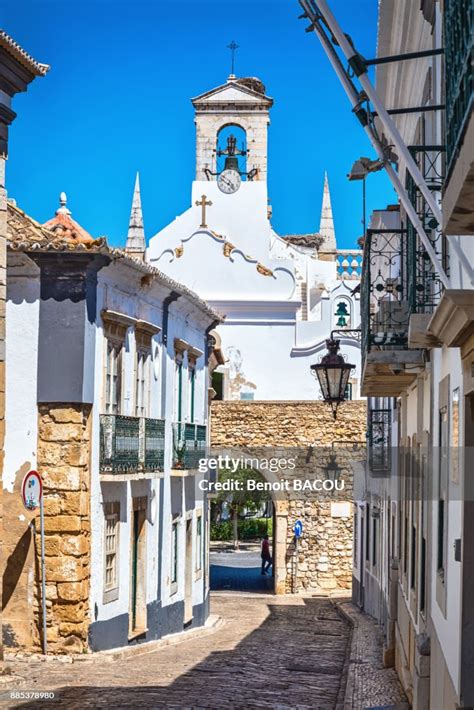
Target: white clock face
<point>229,181</point>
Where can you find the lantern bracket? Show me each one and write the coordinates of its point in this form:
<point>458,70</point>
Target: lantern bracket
<point>352,333</point>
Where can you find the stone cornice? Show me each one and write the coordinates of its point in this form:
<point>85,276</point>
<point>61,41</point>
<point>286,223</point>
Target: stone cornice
<point>453,320</point>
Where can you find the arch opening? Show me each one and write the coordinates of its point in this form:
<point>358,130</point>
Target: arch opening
<point>231,149</point>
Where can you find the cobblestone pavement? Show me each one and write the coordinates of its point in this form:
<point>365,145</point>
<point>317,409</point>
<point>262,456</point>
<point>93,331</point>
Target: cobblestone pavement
<point>239,572</point>
<point>271,652</point>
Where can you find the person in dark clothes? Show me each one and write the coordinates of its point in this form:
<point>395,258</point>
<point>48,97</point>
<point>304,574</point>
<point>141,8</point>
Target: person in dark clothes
<point>266,556</point>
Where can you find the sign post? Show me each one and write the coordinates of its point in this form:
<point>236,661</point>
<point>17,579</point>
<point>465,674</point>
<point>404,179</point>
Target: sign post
<point>298,530</point>
<point>32,495</point>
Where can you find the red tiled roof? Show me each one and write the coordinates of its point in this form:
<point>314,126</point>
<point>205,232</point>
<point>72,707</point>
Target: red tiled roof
<point>62,225</point>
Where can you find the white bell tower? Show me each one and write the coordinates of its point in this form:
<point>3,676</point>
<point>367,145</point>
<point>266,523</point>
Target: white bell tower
<point>241,103</point>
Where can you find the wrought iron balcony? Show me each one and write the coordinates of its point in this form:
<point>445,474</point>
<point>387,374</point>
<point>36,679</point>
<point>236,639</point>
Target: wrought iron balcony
<point>398,278</point>
<point>459,45</point>
<point>131,444</point>
<point>189,445</point>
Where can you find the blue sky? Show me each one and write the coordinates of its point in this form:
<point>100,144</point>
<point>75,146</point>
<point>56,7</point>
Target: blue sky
<point>116,100</point>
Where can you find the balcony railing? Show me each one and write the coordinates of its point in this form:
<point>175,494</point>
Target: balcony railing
<point>398,278</point>
<point>384,290</point>
<point>424,285</point>
<point>131,444</point>
<point>189,445</point>
<point>459,44</point>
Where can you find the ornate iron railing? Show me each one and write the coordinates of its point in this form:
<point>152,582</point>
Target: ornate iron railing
<point>424,285</point>
<point>459,44</point>
<point>131,444</point>
<point>398,277</point>
<point>189,445</point>
<point>384,305</point>
<point>154,445</point>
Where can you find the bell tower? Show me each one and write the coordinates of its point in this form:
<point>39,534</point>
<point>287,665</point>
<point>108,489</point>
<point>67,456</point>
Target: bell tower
<point>239,103</point>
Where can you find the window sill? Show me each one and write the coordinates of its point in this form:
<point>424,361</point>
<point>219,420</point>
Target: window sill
<point>111,595</point>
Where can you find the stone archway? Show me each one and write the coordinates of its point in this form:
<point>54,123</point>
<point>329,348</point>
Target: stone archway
<point>324,561</point>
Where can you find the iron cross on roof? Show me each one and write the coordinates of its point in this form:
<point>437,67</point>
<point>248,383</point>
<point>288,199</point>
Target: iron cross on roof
<point>233,47</point>
<point>203,203</point>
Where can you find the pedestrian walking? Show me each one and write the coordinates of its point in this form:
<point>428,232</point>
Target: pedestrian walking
<point>266,556</point>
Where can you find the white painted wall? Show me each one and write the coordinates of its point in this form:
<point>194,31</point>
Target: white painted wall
<point>21,357</point>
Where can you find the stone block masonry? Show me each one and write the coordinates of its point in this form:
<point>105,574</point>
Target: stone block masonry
<point>64,459</point>
<point>324,561</point>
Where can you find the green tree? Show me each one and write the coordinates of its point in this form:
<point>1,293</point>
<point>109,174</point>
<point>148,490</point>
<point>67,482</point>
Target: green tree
<point>243,499</point>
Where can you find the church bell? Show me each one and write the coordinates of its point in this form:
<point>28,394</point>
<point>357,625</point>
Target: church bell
<point>231,163</point>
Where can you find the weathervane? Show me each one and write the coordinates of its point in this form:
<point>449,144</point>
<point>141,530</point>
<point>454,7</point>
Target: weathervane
<point>232,46</point>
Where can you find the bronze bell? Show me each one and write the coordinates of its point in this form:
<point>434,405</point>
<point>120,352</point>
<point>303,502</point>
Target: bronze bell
<point>231,163</point>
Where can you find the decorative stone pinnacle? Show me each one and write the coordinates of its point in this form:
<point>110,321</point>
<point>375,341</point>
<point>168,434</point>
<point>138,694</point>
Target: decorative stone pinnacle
<point>62,209</point>
<point>136,243</point>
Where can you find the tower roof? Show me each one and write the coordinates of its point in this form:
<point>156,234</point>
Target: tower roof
<point>136,232</point>
<point>62,224</point>
<point>326,226</point>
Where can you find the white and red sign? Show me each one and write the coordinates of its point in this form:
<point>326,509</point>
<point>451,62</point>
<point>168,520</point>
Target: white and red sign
<point>32,490</point>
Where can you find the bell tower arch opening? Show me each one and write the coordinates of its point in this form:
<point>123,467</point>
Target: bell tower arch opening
<point>231,149</point>
<point>239,105</point>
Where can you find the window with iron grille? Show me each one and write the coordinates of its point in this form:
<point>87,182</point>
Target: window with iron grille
<point>379,439</point>
<point>111,551</point>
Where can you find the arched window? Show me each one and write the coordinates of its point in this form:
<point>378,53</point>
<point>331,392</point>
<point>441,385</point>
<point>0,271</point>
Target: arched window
<point>231,149</point>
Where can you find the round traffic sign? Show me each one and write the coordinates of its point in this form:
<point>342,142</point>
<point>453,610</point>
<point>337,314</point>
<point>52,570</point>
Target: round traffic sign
<point>298,528</point>
<point>32,490</point>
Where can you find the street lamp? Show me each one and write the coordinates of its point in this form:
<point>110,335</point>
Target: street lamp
<point>359,171</point>
<point>333,375</point>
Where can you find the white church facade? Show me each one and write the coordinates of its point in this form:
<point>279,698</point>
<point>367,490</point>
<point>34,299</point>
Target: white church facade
<point>281,295</point>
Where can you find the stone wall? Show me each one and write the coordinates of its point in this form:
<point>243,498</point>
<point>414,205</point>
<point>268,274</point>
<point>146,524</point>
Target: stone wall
<point>325,550</point>
<point>64,461</point>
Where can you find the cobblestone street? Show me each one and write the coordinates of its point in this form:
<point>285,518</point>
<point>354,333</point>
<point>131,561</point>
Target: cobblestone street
<point>271,652</point>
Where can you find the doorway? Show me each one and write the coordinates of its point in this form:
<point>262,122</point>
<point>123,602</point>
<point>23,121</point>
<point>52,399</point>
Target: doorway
<point>138,613</point>
<point>188,579</point>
